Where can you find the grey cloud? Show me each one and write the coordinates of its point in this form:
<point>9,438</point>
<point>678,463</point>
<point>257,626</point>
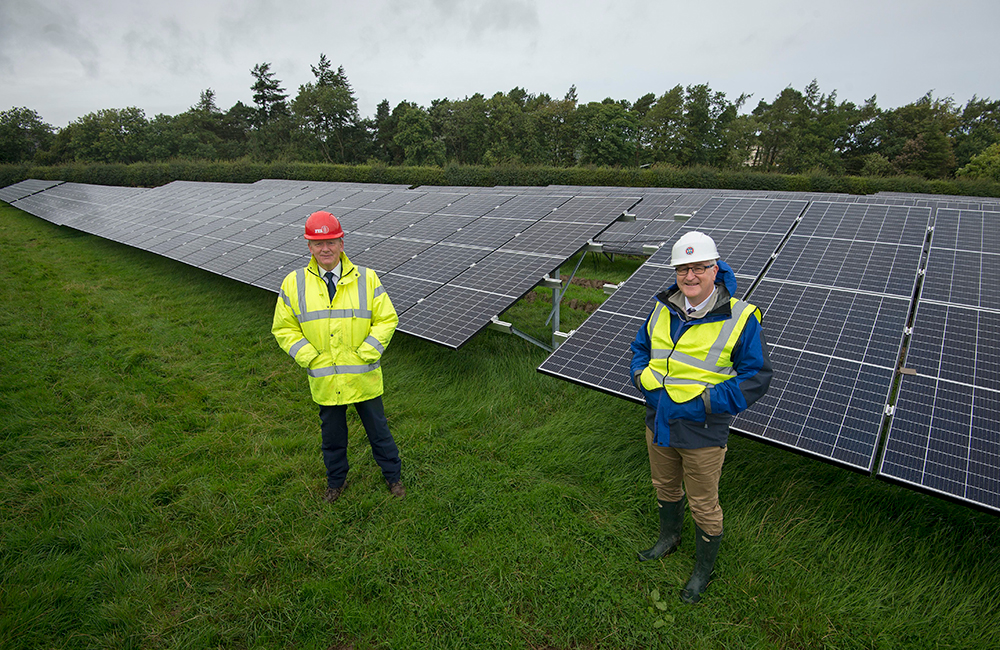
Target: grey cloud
<point>168,44</point>
<point>30,24</point>
<point>500,16</point>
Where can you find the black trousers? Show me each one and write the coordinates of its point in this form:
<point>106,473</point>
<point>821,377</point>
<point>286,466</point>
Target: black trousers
<point>333,425</point>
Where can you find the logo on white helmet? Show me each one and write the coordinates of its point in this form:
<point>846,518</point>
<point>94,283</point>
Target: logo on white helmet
<point>689,250</point>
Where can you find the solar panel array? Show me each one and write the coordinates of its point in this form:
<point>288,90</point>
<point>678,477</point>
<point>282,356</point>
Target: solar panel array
<point>835,275</point>
<point>451,260</point>
<point>944,432</point>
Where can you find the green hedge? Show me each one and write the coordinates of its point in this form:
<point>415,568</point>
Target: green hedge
<point>245,171</point>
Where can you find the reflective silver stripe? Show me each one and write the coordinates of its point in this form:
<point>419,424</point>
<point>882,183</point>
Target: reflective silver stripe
<point>674,381</point>
<point>285,298</point>
<point>707,365</point>
<point>379,290</point>
<point>728,327</point>
<point>300,284</point>
<point>343,370</point>
<point>655,316</point>
<point>320,314</point>
<point>294,350</point>
<point>363,287</point>
<point>374,342</point>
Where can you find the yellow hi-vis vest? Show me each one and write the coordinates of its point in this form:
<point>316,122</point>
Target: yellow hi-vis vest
<point>339,342</point>
<point>700,358</point>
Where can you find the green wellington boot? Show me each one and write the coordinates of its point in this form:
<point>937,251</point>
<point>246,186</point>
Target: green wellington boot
<point>706,550</point>
<point>671,522</point>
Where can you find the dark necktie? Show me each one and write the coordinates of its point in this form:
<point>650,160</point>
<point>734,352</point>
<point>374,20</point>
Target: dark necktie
<point>691,310</point>
<point>331,286</point>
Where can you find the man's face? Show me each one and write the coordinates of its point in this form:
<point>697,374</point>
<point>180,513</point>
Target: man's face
<point>697,287</point>
<point>326,251</point>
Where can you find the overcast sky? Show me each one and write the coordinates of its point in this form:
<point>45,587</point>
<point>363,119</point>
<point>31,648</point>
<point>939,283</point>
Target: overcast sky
<point>67,58</point>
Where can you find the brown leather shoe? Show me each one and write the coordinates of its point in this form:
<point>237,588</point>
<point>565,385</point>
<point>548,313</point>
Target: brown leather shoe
<point>332,494</point>
<point>397,489</point>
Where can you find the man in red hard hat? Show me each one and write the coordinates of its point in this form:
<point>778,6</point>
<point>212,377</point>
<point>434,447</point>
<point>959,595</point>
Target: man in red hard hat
<point>335,319</point>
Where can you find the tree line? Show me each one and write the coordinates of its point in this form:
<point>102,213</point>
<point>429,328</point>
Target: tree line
<point>798,132</point>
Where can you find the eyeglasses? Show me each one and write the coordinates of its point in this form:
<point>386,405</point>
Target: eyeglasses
<point>698,270</point>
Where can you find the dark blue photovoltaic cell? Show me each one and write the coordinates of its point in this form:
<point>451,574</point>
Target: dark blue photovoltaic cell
<point>827,407</point>
<point>943,436</point>
<point>858,265</point>
<point>452,315</point>
<point>598,355</point>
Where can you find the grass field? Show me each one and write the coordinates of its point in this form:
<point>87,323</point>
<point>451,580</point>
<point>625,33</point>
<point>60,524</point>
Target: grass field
<point>160,484</point>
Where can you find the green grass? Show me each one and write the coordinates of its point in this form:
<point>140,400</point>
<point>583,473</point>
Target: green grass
<point>160,484</point>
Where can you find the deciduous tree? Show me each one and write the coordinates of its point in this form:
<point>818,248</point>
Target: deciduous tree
<point>23,134</point>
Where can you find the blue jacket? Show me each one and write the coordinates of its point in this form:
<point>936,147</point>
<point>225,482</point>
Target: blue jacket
<point>688,425</point>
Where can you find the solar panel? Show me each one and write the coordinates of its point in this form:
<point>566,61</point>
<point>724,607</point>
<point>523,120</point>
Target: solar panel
<point>964,262</point>
<point>441,263</point>
<point>387,254</point>
<point>25,188</point>
<point>475,205</point>
<point>943,434</point>
<point>252,233</point>
<point>834,355</point>
<point>489,233</point>
<point>706,213</point>
<point>63,203</point>
<point>499,275</point>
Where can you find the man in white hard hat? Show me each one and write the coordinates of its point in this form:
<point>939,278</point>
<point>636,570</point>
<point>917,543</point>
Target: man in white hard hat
<point>700,359</point>
<point>335,320</point>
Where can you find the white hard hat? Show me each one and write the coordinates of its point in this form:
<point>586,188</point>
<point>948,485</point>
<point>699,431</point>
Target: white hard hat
<point>694,247</point>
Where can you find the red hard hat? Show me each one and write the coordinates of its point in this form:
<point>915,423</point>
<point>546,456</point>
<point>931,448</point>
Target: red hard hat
<point>323,225</point>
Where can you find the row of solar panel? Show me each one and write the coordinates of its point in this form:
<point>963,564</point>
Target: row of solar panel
<point>451,261</point>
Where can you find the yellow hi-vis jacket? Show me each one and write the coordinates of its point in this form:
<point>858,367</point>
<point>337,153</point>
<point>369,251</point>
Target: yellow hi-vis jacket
<point>701,357</point>
<point>340,342</point>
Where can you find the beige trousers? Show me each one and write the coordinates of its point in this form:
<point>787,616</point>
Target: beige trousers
<point>695,470</point>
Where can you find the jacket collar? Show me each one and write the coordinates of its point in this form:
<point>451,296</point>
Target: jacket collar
<point>347,268</point>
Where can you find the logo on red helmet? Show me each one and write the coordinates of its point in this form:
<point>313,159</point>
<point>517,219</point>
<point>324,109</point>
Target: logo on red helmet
<point>322,230</point>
